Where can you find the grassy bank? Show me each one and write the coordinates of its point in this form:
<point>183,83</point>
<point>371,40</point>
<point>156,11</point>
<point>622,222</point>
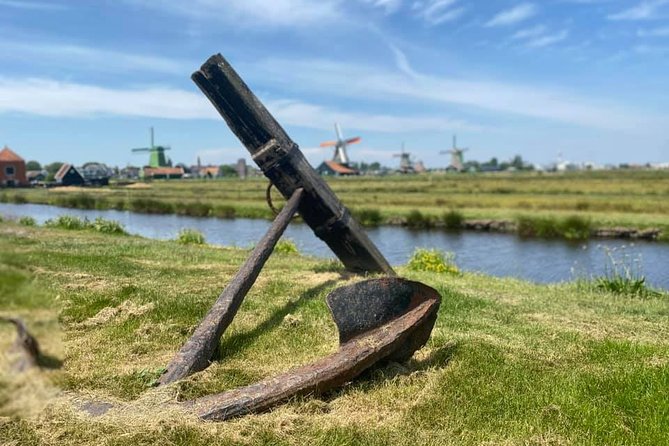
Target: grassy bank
<point>630,199</point>
<point>508,362</point>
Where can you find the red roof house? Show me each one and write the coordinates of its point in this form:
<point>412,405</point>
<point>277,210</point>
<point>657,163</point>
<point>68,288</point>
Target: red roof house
<point>12,169</point>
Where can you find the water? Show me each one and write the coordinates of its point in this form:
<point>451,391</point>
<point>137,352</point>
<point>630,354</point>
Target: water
<point>502,255</point>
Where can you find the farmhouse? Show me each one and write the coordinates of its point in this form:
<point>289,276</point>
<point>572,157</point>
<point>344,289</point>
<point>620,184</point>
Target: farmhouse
<point>68,175</point>
<point>335,169</point>
<point>12,169</point>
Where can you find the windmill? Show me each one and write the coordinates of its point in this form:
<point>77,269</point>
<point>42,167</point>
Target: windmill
<point>406,165</point>
<point>457,158</point>
<point>340,156</point>
<point>157,156</point>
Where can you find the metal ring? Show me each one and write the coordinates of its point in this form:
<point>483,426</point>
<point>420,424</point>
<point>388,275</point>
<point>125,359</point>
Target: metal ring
<point>268,198</point>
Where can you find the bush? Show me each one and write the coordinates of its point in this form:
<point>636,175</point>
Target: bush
<point>27,221</point>
<point>18,199</point>
<point>108,226</point>
<point>67,222</point>
<point>453,220</point>
<point>571,228</point>
<point>151,206</point>
<point>432,260</point>
<point>224,211</point>
<point>576,228</point>
<point>368,217</point>
<point>286,247</point>
<point>417,220</point>
<point>77,201</point>
<point>190,236</point>
<point>194,209</point>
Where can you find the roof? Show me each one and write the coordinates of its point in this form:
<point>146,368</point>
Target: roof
<point>211,170</point>
<point>8,154</point>
<point>63,171</point>
<point>340,168</point>
<point>151,171</point>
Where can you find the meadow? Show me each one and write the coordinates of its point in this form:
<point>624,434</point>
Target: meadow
<point>508,362</point>
<point>631,199</point>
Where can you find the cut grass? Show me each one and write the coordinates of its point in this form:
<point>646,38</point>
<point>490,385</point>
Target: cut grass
<point>508,362</point>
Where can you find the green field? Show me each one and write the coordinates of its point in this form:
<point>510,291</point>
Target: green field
<point>635,199</point>
<point>508,362</point>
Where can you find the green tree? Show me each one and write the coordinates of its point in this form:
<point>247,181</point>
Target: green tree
<point>52,168</point>
<point>227,170</point>
<point>33,165</point>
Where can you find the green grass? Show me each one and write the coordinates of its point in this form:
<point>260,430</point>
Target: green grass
<point>603,199</point>
<point>508,362</point>
<point>189,236</point>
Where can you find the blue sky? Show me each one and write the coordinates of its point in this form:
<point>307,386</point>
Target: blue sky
<point>84,80</point>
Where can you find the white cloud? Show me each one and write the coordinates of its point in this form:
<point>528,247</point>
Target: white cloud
<point>257,13</point>
<point>37,6</point>
<point>656,32</point>
<point>528,33</point>
<point>89,59</point>
<point>645,10</point>
<point>517,14</point>
<point>548,39</point>
<point>435,12</point>
<point>51,98</point>
<point>378,84</point>
<point>389,6</point>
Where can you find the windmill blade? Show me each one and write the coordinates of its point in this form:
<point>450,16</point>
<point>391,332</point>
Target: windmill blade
<point>338,131</point>
<point>355,140</point>
<point>329,144</point>
<point>143,149</point>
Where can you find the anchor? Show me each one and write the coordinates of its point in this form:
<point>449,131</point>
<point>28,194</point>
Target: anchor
<point>387,318</point>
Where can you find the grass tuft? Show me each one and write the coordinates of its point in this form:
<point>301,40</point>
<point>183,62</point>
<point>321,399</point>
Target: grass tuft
<point>27,221</point>
<point>190,236</point>
<point>433,260</point>
<point>453,220</point>
<point>286,246</point>
<point>368,217</point>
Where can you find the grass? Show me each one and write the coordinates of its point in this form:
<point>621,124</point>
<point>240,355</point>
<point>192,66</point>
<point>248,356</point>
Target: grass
<point>605,199</point>
<point>189,236</point>
<point>508,362</point>
<point>73,223</point>
<point>572,227</point>
<point>432,260</point>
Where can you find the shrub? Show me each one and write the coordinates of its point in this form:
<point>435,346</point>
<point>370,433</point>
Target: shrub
<point>27,221</point>
<point>286,247</point>
<point>67,222</point>
<point>432,260</point>
<point>193,209</point>
<point>224,211</point>
<point>77,201</point>
<point>151,206</point>
<point>453,220</point>
<point>190,236</point>
<point>368,217</point>
<point>108,226</point>
<point>18,199</point>
<point>417,220</point>
<point>576,228</point>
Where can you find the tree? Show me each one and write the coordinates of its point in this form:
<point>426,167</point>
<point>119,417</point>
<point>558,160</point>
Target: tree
<point>33,165</point>
<point>227,170</point>
<point>52,168</point>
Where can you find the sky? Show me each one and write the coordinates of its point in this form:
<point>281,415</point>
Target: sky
<point>584,80</point>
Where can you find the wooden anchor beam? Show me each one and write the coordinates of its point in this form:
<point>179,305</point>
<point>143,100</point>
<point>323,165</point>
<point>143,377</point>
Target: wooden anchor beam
<point>285,165</point>
<point>197,352</point>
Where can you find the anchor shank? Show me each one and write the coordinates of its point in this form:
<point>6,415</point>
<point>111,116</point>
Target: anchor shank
<point>197,352</point>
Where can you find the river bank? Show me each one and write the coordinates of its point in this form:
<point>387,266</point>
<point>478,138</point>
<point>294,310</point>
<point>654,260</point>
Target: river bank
<point>195,199</point>
<point>508,361</point>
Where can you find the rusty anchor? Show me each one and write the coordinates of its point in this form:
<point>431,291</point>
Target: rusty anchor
<point>378,319</point>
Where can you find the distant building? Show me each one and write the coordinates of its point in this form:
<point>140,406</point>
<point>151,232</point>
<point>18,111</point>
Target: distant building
<point>130,173</point>
<point>241,168</point>
<point>96,174</point>
<point>331,168</point>
<point>163,173</point>
<point>12,169</point>
<point>36,176</point>
<point>68,175</point>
